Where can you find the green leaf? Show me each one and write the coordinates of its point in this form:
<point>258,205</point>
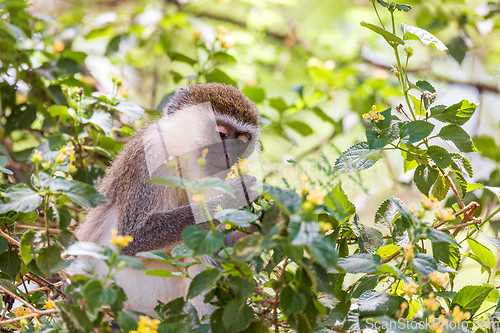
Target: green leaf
<point>131,262</point>
<point>398,6</point>
<point>411,32</point>
<point>482,252</point>
<point>425,86</point>
<point>81,193</point>
<point>92,292</point>
<point>300,127</point>
<point>459,182</point>
<point>386,212</point>
<point>201,282</point>
<point>376,140</point>
<point>424,177</point>
<point>493,240</point>
<point>174,56</point>
<point>364,284</point>
<point>3,163</point>
<point>341,208</point>
<point>437,236</point>
<point>257,95</point>
<point>241,287</point>
<point>10,263</point>
<point>131,110</point>
<point>75,317</point>
<point>457,114</point>
<point>240,218</point>
<point>278,104</point>
<point>48,259</point>
<point>415,131</point>
<point>4,244</point>
<point>163,273</point>
<point>446,254</point>
<point>323,251</point>
<point>171,181</point>
<point>227,58</point>
<point>440,156</point>
<point>461,164</point>
<point>360,263</point>
<point>377,303</point>
<point>102,120</point>
<point>219,76</point>
<point>202,241</point>
<point>358,157</point>
<point>216,184</point>
<point>246,248</point>
<point>388,36</point>
<point>289,200</point>
<point>64,216</point>
<point>66,238</point>
<point>458,49</point>
<point>237,316</point>
<point>292,301</point>
<point>424,264</point>
<point>470,298</point>
<point>21,199</point>
<point>440,188</point>
<point>87,249</point>
<point>26,246</point>
<point>458,138</point>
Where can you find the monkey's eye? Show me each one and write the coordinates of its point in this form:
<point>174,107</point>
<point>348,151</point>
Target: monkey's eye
<point>223,132</point>
<point>243,138</point>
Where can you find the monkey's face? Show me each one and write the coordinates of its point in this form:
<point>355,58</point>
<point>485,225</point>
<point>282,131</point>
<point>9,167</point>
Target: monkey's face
<point>234,145</point>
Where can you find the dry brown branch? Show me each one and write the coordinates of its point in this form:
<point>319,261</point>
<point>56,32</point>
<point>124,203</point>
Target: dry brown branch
<point>9,238</point>
<point>29,316</point>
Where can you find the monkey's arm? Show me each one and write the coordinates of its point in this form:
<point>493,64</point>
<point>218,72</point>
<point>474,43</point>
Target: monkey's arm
<point>163,229</point>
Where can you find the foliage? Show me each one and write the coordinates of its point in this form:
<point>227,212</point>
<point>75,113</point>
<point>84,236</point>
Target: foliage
<point>301,270</point>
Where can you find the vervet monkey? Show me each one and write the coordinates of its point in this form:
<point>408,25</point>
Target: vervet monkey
<point>211,115</point>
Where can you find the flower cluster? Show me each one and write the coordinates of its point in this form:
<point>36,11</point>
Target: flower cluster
<point>49,304</point>
<point>21,311</point>
<point>225,38</point>
<point>238,169</point>
<point>410,288</point>
<point>439,279</point>
<point>445,214</point>
<point>429,202</point>
<point>409,252</point>
<point>431,303</point>
<point>147,325</point>
<point>316,196</point>
<point>120,240</point>
<point>373,115</point>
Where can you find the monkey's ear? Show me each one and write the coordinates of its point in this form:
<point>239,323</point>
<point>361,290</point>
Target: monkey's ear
<point>176,100</point>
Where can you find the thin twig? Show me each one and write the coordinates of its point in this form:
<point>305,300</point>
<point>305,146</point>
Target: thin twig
<point>9,238</point>
<point>29,316</point>
<point>20,299</point>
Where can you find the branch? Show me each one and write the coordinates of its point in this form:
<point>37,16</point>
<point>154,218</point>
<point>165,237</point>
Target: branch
<point>29,316</point>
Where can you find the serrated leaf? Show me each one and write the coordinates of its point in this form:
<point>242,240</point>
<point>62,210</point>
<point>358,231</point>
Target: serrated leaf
<point>482,252</point>
<point>26,243</point>
<point>457,114</point>
<point>78,192</point>
<point>424,264</point>
<point>360,263</point>
<point>22,199</point>
<point>425,86</point>
<point>415,131</point>
<point>163,273</point>
<point>458,49</point>
<point>470,298</point>
<point>357,158</point>
<point>411,32</point>
<point>237,316</point>
<point>440,188</point>
<point>425,176</point>
<point>386,213</point>
<point>458,138</point>
<point>203,281</point>
<point>461,164</point>
<point>440,156</point>
<point>10,263</point>
<point>341,208</point>
<point>292,301</point>
<point>202,241</point>
<point>388,36</point>
<point>48,259</point>
<point>131,110</point>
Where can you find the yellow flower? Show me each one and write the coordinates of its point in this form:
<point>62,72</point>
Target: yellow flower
<point>49,304</point>
<point>70,151</point>
<point>119,239</point>
<point>204,153</point>
<point>46,165</point>
<point>325,226</point>
<point>429,202</point>
<point>228,226</point>
<point>121,264</point>
<point>147,325</point>
<point>60,158</point>
<point>439,279</point>
<point>409,253</point>
<point>225,38</point>
<point>58,46</point>
<point>373,115</point>
<point>431,303</point>
<point>197,34</point>
<point>410,288</point>
<point>36,157</point>
<point>218,208</point>
<point>21,311</point>
<point>238,169</point>
<point>458,315</point>
<point>196,197</point>
<point>445,214</point>
<point>316,196</point>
